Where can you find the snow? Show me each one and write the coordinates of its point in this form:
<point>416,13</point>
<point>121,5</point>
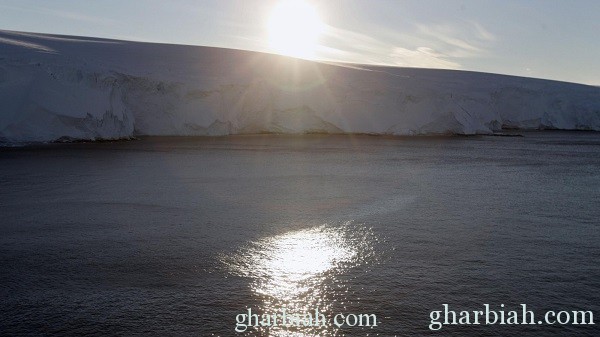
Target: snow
<point>62,87</point>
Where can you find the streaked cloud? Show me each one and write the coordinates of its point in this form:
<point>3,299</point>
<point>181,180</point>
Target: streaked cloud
<point>426,46</point>
<point>65,14</point>
<point>422,57</point>
<point>468,39</point>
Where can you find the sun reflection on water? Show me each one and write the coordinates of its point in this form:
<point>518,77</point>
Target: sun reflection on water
<point>300,270</point>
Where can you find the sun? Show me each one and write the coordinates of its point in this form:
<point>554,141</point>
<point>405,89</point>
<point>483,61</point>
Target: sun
<point>294,29</point>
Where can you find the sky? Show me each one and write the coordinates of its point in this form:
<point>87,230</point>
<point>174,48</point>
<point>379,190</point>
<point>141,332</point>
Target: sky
<point>549,39</point>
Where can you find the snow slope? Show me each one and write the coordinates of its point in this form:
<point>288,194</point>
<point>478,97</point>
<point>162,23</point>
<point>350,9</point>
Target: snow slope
<point>63,87</point>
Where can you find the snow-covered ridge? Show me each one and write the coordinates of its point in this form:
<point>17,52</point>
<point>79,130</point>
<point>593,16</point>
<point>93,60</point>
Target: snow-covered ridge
<point>61,87</point>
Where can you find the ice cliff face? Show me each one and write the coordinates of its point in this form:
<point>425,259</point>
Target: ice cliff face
<point>60,87</point>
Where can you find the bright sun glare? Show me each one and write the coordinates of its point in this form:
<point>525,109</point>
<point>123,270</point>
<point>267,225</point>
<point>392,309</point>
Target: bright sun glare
<point>294,28</point>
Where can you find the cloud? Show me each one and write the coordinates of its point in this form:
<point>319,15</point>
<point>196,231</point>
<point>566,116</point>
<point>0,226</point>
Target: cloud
<point>482,33</point>
<point>69,15</point>
<point>422,57</point>
<point>426,46</point>
<point>76,16</point>
<point>467,39</point>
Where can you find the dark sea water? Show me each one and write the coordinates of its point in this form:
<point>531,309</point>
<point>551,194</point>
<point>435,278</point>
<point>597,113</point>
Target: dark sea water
<point>176,236</point>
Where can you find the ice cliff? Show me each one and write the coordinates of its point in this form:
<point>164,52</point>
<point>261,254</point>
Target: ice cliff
<point>63,87</point>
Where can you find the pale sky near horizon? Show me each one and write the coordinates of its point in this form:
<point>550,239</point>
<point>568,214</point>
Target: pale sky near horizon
<point>554,39</point>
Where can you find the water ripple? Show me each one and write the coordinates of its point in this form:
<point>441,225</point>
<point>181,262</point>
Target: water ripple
<point>299,271</point>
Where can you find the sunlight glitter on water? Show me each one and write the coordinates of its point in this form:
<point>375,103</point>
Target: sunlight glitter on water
<point>292,261</point>
<point>299,271</point>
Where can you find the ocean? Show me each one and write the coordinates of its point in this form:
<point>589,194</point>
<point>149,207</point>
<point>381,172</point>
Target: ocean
<point>178,236</point>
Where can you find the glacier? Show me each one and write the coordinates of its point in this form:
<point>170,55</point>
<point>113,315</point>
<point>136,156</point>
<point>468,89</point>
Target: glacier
<point>55,88</point>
